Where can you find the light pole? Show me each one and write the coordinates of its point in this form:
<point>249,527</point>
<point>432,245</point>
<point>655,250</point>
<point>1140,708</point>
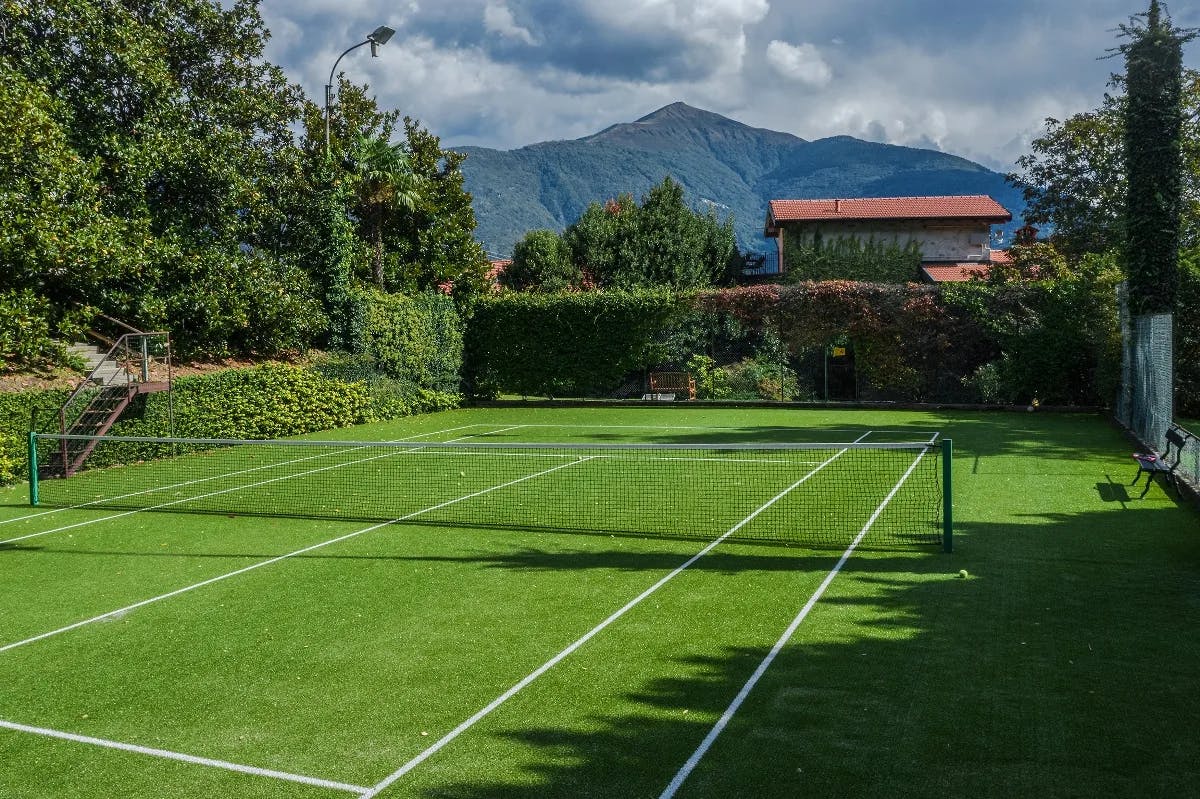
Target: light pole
<point>378,36</point>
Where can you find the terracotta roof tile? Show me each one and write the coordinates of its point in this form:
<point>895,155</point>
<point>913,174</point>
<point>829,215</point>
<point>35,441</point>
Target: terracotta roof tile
<point>971,206</point>
<point>956,273</point>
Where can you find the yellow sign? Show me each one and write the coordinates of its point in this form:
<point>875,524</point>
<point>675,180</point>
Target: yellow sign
<point>839,352</point>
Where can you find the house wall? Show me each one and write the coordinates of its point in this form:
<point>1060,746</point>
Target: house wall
<point>939,241</point>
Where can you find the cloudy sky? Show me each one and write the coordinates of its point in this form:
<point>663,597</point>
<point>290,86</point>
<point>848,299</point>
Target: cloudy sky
<point>975,79</point>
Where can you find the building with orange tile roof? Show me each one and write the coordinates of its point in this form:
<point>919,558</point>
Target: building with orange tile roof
<point>952,232</point>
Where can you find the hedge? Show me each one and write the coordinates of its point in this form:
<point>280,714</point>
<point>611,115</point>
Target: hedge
<point>16,410</point>
<point>1055,341</point>
<point>567,344</point>
<point>266,401</point>
<point>417,340</point>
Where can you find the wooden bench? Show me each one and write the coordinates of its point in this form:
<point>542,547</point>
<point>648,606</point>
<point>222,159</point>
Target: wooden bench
<point>667,382</point>
<point>1164,463</point>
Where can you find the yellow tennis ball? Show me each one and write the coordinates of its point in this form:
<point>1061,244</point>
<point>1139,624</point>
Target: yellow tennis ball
<point>963,573</point>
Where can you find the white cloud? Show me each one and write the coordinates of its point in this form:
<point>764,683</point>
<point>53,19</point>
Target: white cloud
<point>711,33</point>
<point>799,62</point>
<point>976,81</point>
<point>498,18</point>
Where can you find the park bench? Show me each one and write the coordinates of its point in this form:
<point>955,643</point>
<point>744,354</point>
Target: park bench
<point>1164,463</point>
<point>673,382</point>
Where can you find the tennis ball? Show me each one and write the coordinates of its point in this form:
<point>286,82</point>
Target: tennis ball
<point>462,474</point>
<point>963,573</point>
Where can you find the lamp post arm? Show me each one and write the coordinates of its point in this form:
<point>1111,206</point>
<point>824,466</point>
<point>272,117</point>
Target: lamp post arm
<point>329,89</point>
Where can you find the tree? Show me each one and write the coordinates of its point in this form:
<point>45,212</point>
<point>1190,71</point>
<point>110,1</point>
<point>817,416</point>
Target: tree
<point>541,262</point>
<point>428,246</point>
<point>57,240</point>
<point>1074,177</point>
<point>169,112</point>
<point>1153,159</point>
<point>662,242</point>
<point>386,185</point>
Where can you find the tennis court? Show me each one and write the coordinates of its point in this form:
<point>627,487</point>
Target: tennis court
<point>455,614</point>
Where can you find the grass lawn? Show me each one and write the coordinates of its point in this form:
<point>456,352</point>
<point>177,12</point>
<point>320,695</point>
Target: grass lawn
<point>150,654</point>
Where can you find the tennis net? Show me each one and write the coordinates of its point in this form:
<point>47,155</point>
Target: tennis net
<point>810,494</point>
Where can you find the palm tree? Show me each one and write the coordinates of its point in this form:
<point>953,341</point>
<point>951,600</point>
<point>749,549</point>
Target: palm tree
<point>386,184</point>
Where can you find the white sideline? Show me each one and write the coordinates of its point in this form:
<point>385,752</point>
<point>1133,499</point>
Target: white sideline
<point>203,480</point>
<point>687,768</point>
<point>192,759</point>
<point>504,697</point>
<point>122,611</point>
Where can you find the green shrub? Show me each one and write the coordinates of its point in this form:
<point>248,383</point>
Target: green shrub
<point>17,411</point>
<point>850,258</point>
<point>562,345</point>
<point>389,398</point>
<point>757,378</point>
<point>1056,341</point>
<point>416,340</point>
<point>267,401</point>
<point>28,325</point>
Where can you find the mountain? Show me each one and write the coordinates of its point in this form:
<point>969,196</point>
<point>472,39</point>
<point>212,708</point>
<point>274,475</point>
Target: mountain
<point>721,163</point>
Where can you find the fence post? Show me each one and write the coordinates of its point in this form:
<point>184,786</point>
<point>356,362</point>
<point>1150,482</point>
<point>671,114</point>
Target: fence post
<point>33,469</point>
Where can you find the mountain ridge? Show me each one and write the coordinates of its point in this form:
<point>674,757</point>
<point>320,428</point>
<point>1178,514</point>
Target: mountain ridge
<point>720,162</point>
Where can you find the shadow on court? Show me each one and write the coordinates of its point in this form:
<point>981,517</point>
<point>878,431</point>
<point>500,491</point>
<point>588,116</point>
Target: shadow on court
<point>1064,665</point>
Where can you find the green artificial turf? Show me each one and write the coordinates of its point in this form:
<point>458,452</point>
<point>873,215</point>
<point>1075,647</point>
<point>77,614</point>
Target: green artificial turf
<point>1064,664</point>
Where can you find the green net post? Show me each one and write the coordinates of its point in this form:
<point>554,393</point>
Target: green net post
<point>33,469</point>
<point>947,495</point>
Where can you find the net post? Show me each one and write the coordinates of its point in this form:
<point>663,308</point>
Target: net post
<point>947,495</point>
<point>33,469</point>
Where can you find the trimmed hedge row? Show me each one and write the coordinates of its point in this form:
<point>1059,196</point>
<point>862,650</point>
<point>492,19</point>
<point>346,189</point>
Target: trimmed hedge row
<point>572,344</point>
<point>1008,342</point>
<point>266,401</point>
<point>16,412</point>
<point>417,340</point>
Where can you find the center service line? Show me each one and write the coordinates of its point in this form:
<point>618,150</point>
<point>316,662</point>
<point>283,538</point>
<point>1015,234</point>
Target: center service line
<point>549,664</point>
<point>688,767</point>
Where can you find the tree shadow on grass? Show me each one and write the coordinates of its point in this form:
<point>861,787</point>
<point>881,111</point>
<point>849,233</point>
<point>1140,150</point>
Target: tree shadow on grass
<point>1064,665</point>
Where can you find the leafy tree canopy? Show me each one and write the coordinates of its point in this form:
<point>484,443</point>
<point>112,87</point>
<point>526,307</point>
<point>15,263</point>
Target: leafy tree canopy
<point>662,242</point>
<point>1153,159</point>
<point>1074,178</point>
<point>409,200</point>
<point>541,262</point>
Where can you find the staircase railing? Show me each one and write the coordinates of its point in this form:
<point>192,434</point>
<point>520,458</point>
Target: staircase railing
<point>135,363</point>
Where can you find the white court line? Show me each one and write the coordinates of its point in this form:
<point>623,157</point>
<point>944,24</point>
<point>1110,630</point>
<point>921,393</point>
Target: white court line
<point>227,490</point>
<point>722,722</point>
<point>215,477</point>
<point>192,759</point>
<point>549,664</point>
<point>122,611</point>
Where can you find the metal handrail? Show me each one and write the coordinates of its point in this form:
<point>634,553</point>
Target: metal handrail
<point>114,354</point>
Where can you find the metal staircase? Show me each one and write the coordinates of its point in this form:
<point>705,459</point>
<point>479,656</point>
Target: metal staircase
<point>134,363</point>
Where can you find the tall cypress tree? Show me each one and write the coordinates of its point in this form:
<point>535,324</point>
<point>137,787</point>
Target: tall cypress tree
<point>1153,158</point>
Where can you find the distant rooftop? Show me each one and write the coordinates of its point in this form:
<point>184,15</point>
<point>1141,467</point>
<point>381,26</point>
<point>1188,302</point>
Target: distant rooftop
<point>969,206</point>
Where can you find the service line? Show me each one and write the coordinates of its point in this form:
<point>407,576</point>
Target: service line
<point>549,664</point>
<point>688,767</point>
